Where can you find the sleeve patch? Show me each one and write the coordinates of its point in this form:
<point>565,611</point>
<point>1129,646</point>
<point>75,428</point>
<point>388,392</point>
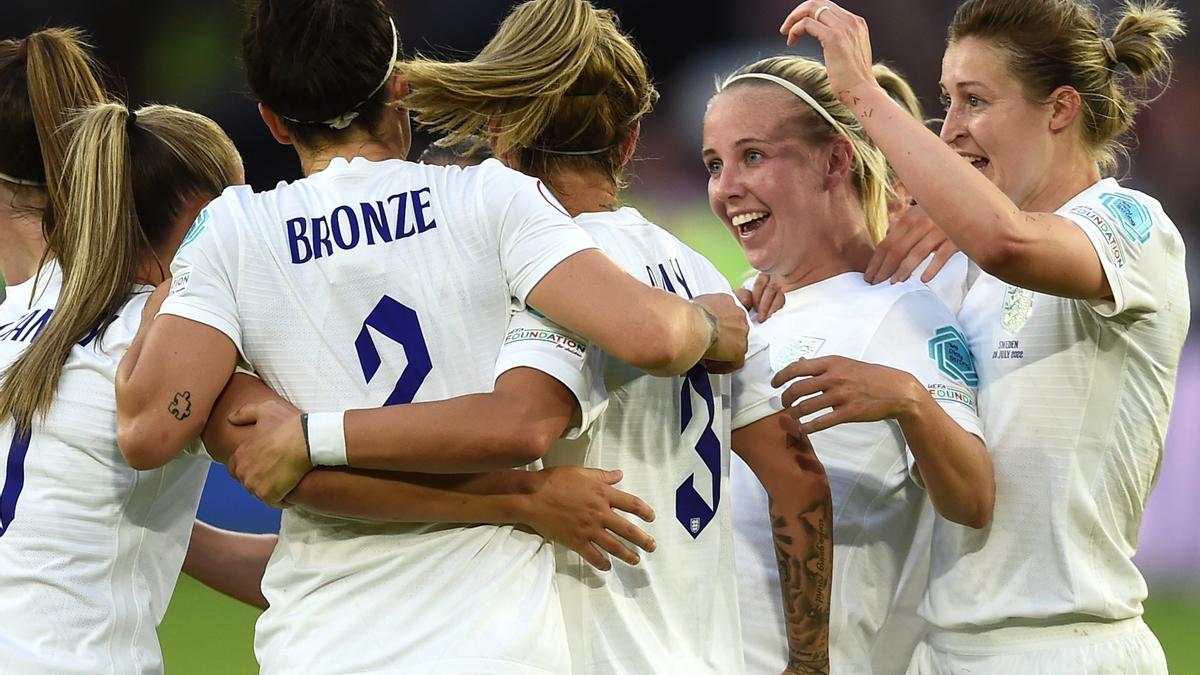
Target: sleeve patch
<point>952,394</point>
<point>1112,247</point>
<point>1133,218</point>
<point>560,340</point>
<point>948,349</point>
<point>196,229</point>
<point>180,281</point>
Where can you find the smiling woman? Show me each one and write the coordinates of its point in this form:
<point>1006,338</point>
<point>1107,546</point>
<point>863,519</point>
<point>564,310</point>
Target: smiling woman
<point>1076,322</point>
<point>803,190</point>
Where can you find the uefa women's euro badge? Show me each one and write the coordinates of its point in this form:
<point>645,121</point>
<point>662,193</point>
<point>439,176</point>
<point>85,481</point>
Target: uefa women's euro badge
<point>803,347</point>
<point>1018,307</point>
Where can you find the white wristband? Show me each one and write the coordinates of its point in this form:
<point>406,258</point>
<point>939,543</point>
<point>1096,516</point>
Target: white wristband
<point>327,438</point>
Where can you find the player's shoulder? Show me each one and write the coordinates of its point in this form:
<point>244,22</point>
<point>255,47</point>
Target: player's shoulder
<point>1133,214</point>
<point>626,232</point>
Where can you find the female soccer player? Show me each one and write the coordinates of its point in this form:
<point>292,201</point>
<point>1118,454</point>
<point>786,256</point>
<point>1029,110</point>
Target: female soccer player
<point>801,188</point>
<point>90,548</point>
<point>569,112</point>
<point>372,281</point>
<point>576,125</point>
<point>1077,320</point>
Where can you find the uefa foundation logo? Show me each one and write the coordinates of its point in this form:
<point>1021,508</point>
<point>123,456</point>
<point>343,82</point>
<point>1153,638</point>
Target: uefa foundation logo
<point>948,349</point>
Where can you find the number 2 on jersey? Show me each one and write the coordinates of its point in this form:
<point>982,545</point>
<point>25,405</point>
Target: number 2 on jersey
<point>14,478</point>
<point>400,324</point>
<point>690,508</point>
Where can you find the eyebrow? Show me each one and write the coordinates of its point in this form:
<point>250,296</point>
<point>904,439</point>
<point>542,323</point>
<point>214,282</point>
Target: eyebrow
<point>963,85</point>
<point>750,140</point>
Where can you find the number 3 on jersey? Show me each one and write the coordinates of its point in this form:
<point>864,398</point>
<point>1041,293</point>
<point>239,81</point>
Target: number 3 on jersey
<point>400,324</point>
<point>690,508</point>
<point>14,478</point>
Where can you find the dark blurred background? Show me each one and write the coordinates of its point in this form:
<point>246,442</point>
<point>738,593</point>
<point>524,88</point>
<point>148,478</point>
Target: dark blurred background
<point>186,52</point>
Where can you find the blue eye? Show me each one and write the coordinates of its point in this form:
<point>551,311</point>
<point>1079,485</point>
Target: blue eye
<point>713,167</point>
<point>975,101</point>
<point>753,155</point>
<point>944,99</point>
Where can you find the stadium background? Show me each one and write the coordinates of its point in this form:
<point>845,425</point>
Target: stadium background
<point>185,52</point>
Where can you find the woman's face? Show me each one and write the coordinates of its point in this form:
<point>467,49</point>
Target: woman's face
<point>991,123</point>
<point>764,178</point>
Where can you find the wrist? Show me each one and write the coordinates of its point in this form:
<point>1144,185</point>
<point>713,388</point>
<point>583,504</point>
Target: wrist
<point>713,326</point>
<point>864,97</point>
<point>521,504</point>
<point>325,438</point>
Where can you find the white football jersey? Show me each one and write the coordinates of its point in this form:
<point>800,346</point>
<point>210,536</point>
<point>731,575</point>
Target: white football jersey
<point>373,283</point>
<point>880,539</point>
<point>89,548</point>
<point>1076,397</point>
<point>676,611</point>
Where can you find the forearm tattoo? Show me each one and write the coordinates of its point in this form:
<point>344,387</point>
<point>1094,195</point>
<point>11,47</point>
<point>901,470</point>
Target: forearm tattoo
<point>181,406</point>
<point>804,551</point>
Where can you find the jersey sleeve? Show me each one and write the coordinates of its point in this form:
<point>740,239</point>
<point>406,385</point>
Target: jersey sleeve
<point>753,396</point>
<point>535,232</point>
<point>204,272</point>
<point>1134,247</point>
<point>533,341</point>
<point>920,336</point>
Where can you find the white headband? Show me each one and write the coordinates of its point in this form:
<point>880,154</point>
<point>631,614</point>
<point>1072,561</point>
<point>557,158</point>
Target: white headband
<point>804,95</point>
<point>21,181</point>
<point>342,121</point>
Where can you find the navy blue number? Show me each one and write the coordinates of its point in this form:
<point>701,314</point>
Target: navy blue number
<point>14,478</point>
<point>400,324</point>
<point>690,508</point>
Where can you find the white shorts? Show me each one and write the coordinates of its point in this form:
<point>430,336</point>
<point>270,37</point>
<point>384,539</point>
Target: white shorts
<point>1120,648</point>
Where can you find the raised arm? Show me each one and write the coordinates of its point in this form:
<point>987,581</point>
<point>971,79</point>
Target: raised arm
<point>802,523</point>
<point>1037,250</point>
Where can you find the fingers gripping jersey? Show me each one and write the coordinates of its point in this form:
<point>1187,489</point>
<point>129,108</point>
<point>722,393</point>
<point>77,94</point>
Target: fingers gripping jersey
<point>675,612</point>
<point>375,283</point>
<point>90,549</point>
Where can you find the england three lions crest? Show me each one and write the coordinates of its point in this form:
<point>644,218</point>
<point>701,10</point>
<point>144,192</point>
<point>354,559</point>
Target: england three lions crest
<point>1018,307</point>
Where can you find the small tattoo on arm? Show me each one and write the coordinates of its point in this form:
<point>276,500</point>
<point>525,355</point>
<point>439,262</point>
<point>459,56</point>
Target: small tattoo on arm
<point>181,406</point>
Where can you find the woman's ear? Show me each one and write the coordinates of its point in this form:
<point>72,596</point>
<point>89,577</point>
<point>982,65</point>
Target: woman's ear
<point>275,124</point>
<point>1065,104</point>
<point>840,164</point>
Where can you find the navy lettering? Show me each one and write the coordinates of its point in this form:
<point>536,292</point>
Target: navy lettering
<point>349,219</point>
<point>375,222</point>
<point>37,326</point>
<point>320,237</point>
<point>399,216</point>
<point>401,212</point>
<point>297,228</point>
<point>419,207</point>
<point>675,266</point>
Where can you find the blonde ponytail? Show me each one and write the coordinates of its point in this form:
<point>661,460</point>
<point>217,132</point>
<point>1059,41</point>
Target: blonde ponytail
<point>115,216</point>
<point>559,85</point>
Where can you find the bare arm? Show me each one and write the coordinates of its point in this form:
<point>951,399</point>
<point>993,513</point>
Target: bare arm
<point>802,524</point>
<point>953,463</point>
<point>231,563</point>
<point>167,384</point>
<point>650,329</point>
<point>1039,251</point>
<point>573,506</point>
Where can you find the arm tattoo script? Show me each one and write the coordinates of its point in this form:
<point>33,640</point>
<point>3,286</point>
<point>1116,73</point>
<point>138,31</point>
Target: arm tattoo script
<point>181,406</point>
<point>804,551</point>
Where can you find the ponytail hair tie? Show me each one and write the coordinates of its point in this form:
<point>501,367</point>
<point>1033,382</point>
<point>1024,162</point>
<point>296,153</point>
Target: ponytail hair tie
<point>1110,49</point>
